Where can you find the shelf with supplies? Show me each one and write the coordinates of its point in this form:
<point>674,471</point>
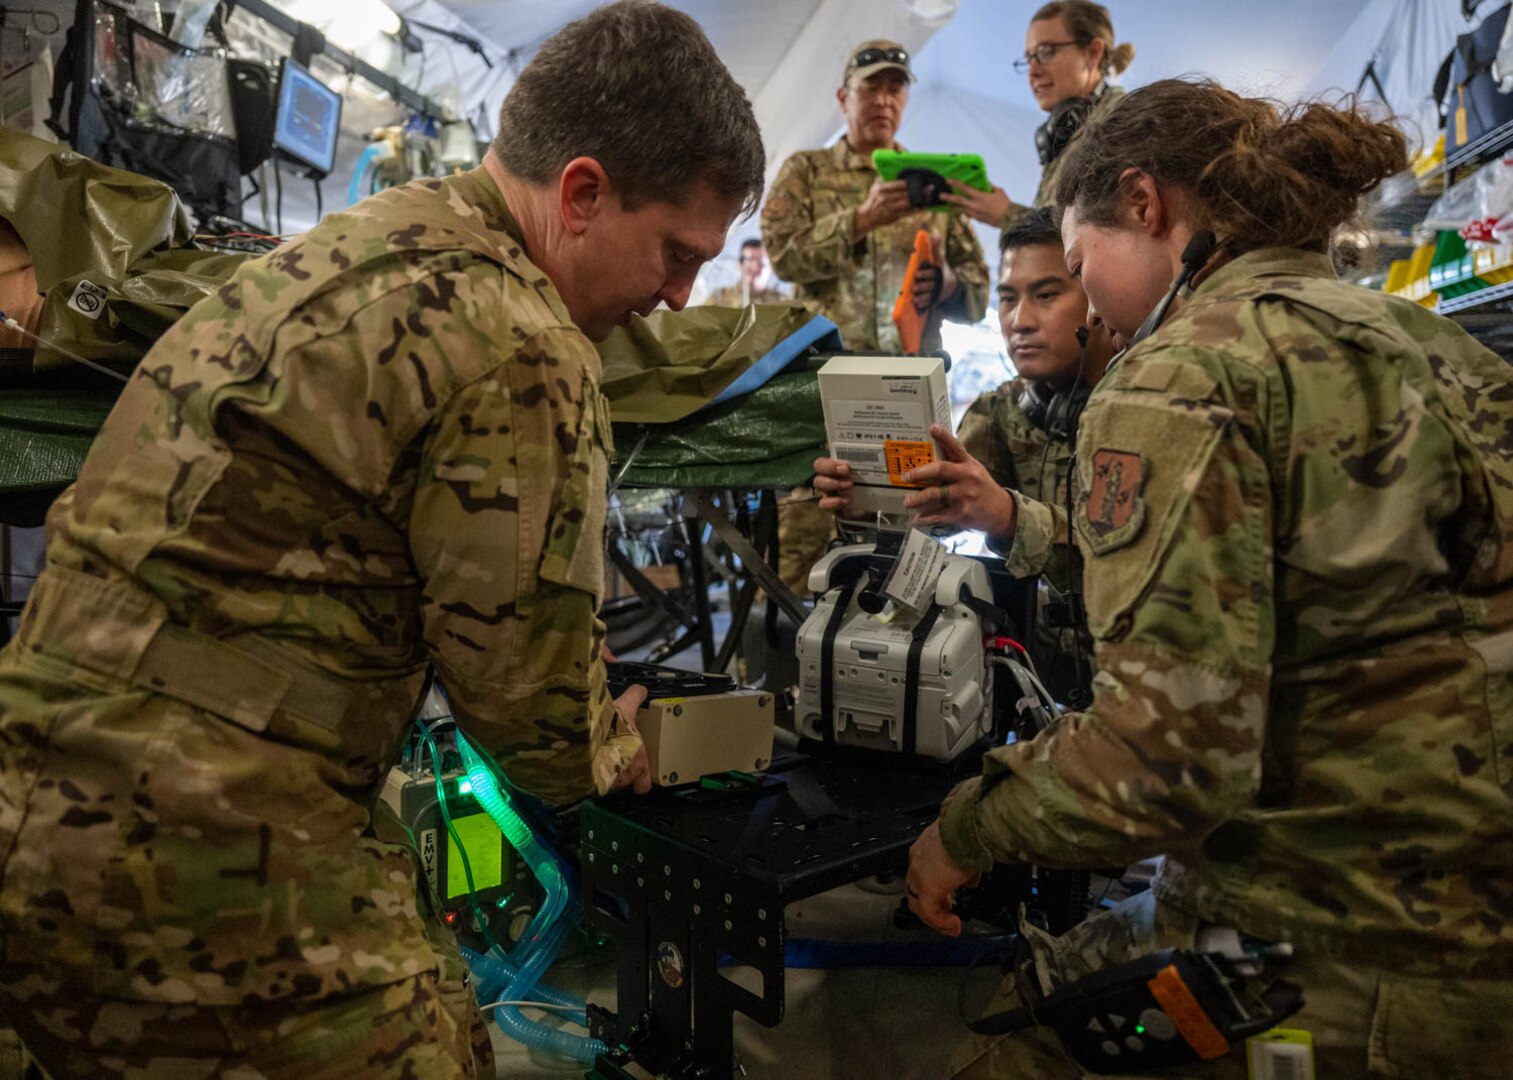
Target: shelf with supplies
<point>1403,202</point>
<point>1477,152</point>
<point>1481,298</point>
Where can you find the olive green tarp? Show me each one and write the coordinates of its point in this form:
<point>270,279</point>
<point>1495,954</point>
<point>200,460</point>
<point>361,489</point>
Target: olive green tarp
<point>81,220</point>
<point>44,435</point>
<point>665,375</point>
<point>766,439</point>
<point>123,233</point>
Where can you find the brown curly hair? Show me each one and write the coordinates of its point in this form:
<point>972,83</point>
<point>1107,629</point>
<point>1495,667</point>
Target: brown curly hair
<point>1257,174</point>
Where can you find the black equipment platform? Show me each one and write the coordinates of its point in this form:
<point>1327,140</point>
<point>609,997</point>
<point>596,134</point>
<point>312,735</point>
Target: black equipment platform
<point>689,879</point>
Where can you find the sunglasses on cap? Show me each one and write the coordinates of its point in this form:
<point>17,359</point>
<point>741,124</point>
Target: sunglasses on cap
<point>870,56</point>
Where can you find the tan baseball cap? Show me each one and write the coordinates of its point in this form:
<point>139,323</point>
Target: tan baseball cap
<point>870,57</point>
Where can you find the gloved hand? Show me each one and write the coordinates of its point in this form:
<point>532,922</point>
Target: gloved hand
<point>621,762</point>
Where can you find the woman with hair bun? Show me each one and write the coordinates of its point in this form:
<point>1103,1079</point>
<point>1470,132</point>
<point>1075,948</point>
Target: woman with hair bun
<point>1295,509</point>
<point>1069,55</point>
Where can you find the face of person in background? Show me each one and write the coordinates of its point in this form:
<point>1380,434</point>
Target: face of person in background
<point>1040,307</point>
<point>753,263</point>
<point>874,108</point>
<point>1072,70</point>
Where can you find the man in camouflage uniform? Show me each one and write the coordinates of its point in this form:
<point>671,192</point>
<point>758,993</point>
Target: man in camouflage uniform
<point>1296,510</point>
<point>843,236</point>
<point>382,446</point>
<point>1004,433</point>
<point>750,289</point>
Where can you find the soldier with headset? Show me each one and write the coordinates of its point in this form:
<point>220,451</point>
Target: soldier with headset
<point>1295,514</point>
<point>1069,56</point>
<point>1019,438</point>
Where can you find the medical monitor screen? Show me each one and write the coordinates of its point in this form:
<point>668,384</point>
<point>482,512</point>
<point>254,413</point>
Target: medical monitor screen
<point>309,115</point>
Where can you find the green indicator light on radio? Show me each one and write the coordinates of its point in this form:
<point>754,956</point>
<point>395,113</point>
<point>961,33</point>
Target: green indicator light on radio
<point>1139,1029</point>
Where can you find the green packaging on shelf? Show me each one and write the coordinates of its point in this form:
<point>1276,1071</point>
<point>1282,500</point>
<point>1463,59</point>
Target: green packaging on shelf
<point>1452,273</point>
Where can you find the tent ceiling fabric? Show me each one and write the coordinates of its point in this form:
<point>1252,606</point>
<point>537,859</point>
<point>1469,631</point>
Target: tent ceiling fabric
<point>789,54</point>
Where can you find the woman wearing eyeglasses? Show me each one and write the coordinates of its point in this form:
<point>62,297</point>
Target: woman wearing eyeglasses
<point>1069,55</point>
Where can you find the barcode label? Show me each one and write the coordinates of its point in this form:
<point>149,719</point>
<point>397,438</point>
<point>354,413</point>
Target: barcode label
<point>1280,1060</point>
<point>1289,1067</point>
<point>859,456</point>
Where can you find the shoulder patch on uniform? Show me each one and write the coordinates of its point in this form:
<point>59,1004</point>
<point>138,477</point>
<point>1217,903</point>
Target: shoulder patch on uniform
<point>1114,506</point>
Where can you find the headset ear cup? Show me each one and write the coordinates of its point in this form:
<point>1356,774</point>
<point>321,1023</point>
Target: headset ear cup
<point>1043,142</point>
<point>1066,119</point>
<point>1064,411</point>
<point>1035,404</point>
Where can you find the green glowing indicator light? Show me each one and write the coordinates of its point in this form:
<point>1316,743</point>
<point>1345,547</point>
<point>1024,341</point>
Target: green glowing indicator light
<point>1139,1029</point>
<point>464,787</point>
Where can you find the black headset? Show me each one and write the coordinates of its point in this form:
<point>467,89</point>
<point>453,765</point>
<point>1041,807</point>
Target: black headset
<point>1066,119</point>
<point>1056,412</point>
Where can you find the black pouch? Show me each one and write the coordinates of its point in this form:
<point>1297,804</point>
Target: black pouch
<point>143,102</point>
<point>1473,104</point>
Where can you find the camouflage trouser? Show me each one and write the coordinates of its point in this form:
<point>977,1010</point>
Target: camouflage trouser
<point>418,1029</point>
<point>1365,1023</point>
<point>804,532</point>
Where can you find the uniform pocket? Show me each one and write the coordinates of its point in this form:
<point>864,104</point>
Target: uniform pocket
<point>1129,501</point>
<point>573,554</point>
<point>1461,1030</point>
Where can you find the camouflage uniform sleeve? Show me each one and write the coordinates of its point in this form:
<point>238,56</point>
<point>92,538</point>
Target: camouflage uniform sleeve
<point>985,440</point>
<point>803,247</point>
<point>507,531</point>
<point>964,255</point>
<point>1176,527</point>
<point>1039,528</point>
<point>1014,215</point>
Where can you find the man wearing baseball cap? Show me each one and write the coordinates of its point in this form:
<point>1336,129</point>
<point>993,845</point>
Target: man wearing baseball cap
<point>843,236</point>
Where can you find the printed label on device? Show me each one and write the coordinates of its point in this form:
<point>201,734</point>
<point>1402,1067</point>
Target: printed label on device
<point>1280,1054</point>
<point>903,456</point>
<point>428,855</point>
<point>912,582</point>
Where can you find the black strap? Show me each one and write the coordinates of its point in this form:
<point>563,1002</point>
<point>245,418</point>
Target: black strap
<point>70,72</point>
<point>911,677</point>
<point>995,616</point>
<point>827,659</point>
<point>1442,85</point>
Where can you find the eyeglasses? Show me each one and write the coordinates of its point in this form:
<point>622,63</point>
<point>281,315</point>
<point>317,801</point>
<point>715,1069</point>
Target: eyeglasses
<point>1041,54</point>
<point>867,57</point>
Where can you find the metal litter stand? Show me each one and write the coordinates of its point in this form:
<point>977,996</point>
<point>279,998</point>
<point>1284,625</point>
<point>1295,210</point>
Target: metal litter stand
<point>742,536</point>
<point>690,879</point>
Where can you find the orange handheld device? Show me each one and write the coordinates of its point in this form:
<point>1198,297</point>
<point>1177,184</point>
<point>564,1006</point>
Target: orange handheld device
<point>909,319</point>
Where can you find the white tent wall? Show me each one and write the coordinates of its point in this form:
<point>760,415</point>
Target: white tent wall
<point>1405,41</point>
<point>788,54</point>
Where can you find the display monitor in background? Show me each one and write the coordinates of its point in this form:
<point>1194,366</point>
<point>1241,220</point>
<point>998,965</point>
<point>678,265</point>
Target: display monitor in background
<point>309,116</point>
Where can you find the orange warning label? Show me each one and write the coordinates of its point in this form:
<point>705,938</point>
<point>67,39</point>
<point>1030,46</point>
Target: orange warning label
<point>1177,1001</point>
<point>902,455</point>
